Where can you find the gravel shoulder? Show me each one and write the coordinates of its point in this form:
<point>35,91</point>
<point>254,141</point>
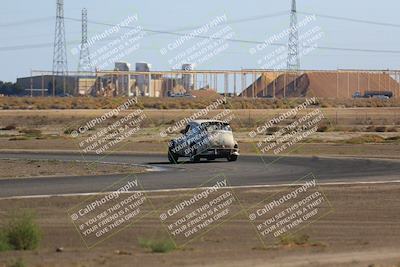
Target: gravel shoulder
<point>362,230</point>
<point>20,168</point>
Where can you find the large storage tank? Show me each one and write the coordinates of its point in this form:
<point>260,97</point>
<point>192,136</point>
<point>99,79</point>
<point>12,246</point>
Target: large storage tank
<point>187,79</point>
<point>123,82</point>
<point>143,81</point>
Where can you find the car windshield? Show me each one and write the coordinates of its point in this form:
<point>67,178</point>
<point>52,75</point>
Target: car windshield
<point>216,126</point>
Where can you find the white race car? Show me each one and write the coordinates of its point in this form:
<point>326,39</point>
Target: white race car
<point>210,139</point>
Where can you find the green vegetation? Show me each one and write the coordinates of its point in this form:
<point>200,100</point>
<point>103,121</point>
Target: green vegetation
<point>157,245</point>
<point>4,245</point>
<point>69,131</point>
<point>17,263</point>
<point>9,88</point>
<point>296,239</point>
<point>20,233</point>
<point>31,132</point>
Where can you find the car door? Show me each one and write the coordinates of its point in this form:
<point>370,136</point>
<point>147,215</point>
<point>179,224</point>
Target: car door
<point>192,138</point>
<point>196,139</point>
<point>181,142</point>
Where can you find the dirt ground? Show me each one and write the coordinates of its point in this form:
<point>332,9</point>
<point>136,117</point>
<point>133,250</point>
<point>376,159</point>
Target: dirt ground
<point>362,229</point>
<point>310,149</point>
<point>13,168</point>
<point>346,127</point>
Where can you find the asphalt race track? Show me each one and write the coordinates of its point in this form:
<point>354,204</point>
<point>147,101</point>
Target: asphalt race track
<point>247,171</point>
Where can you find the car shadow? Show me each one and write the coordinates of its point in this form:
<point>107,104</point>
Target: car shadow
<point>187,162</point>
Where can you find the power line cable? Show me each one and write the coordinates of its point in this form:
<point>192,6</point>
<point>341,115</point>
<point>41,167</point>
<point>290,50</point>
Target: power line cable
<point>252,42</point>
<point>28,21</point>
<point>176,33</point>
<point>352,19</point>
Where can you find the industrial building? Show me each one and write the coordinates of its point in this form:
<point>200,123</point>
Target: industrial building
<point>191,83</point>
<point>141,82</point>
<point>55,85</point>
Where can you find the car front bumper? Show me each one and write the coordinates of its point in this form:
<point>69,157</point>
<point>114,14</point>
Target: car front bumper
<point>220,152</point>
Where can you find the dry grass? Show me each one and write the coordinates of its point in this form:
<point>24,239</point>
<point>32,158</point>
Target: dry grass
<point>180,103</point>
<point>336,119</point>
<point>340,126</point>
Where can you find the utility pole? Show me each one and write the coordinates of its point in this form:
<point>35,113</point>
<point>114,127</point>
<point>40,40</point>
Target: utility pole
<point>84,59</point>
<point>60,65</point>
<point>293,60</point>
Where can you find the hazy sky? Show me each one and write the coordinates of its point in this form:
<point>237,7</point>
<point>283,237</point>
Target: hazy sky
<point>27,31</point>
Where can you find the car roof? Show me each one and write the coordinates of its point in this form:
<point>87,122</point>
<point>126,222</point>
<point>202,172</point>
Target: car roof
<point>205,120</point>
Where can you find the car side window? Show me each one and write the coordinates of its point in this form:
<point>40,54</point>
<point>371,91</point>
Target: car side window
<point>186,129</point>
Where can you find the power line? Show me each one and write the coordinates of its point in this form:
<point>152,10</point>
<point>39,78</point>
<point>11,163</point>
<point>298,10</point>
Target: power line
<point>241,20</point>
<point>352,19</point>
<point>23,47</point>
<point>42,45</point>
<point>28,21</point>
<point>257,17</point>
<point>175,33</point>
<point>380,51</point>
<point>249,41</point>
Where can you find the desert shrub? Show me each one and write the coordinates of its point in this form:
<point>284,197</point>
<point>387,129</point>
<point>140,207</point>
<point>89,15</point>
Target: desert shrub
<point>157,246</point>
<point>354,130</point>
<point>322,128</point>
<point>368,138</point>
<point>376,129</point>
<point>9,127</point>
<point>18,138</point>
<point>69,130</point>
<point>4,245</point>
<point>324,105</point>
<point>298,239</point>
<point>370,129</point>
<point>380,129</point>
<point>393,138</point>
<point>17,263</point>
<point>22,232</point>
<point>272,130</point>
<point>31,132</point>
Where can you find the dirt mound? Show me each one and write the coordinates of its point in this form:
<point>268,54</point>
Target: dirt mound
<point>204,93</point>
<point>345,84</point>
<point>322,84</point>
<point>259,86</point>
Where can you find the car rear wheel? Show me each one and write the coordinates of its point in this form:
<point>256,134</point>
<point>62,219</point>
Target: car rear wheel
<point>232,158</point>
<point>195,158</point>
<point>172,157</point>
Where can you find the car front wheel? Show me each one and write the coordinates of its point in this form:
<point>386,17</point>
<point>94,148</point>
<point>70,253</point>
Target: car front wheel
<point>232,158</point>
